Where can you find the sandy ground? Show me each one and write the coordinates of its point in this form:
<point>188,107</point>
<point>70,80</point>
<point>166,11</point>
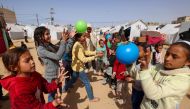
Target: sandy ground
<point>77,97</point>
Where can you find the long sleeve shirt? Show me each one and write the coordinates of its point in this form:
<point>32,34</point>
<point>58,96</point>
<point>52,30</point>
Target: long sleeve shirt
<point>27,92</point>
<point>119,68</point>
<point>164,89</point>
<point>51,60</point>
<point>79,57</point>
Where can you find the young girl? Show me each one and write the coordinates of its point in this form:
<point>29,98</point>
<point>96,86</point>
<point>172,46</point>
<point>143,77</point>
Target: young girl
<point>49,53</point>
<point>78,60</point>
<point>25,85</point>
<point>165,85</point>
<point>119,70</point>
<point>156,58</point>
<point>101,61</point>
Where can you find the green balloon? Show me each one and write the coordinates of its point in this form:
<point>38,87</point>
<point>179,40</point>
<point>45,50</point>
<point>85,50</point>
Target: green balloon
<point>81,26</point>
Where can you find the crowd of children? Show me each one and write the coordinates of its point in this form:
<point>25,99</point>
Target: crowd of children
<point>157,82</point>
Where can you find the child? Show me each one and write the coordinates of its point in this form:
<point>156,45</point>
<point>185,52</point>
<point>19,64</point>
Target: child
<point>165,85</point>
<point>156,59</point>
<point>119,70</point>
<point>109,69</point>
<point>78,60</point>
<point>23,45</point>
<point>67,57</point>
<point>101,60</point>
<point>49,53</point>
<point>25,85</point>
<point>137,91</point>
<point>91,45</point>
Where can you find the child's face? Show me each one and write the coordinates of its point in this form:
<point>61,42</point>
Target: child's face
<point>47,36</point>
<point>148,51</point>
<point>175,57</point>
<point>159,49</point>
<point>141,52</point>
<point>117,40</point>
<point>26,63</point>
<point>82,39</point>
<point>101,43</point>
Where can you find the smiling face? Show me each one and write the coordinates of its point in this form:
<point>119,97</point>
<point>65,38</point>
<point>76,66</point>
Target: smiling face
<point>176,57</point>
<point>26,63</point>
<point>101,43</point>
<point>47,36</point>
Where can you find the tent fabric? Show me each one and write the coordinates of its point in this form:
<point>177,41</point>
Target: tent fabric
<point>153,37</point>
<point>151,33</point>
<point>16,32</point>
<point>170,31</point>
<point>185,29</point>
<point>154,40</point>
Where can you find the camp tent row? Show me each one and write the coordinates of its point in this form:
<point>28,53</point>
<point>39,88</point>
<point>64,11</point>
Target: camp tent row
<point>17,31</point>
<point>170,31</point>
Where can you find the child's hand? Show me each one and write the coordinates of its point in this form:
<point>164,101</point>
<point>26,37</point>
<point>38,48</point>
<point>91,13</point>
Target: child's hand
<point>62,75</point>
<point>130,80</point>
<point>113,75</point>
<point>59,98</point>
<point>122,73</point>
<point>65,35</point>
<point>100,54</point>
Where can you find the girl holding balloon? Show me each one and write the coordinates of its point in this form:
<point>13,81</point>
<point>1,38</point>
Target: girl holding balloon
<point>164,85</point>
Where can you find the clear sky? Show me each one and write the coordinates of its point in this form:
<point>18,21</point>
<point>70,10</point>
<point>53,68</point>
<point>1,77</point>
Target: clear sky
<point>98,12</point>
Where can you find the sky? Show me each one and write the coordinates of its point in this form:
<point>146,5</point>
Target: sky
<point>98,12</point>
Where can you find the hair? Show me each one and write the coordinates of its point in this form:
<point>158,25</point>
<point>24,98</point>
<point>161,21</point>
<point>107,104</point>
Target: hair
<point>38,35</point>
<point>101,40</point>
<point>158,45</point>
<point>11,58</point>
<point>185,46</point>
<point>145,46</point>
<point>77,36</point>
<point>38,39</point>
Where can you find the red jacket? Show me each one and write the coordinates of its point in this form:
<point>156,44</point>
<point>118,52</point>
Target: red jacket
<point>27,92</point>
<point>119,68</point>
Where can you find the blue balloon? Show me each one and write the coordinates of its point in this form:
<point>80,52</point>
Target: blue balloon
<point>108,36</point>
<point>127,53</point>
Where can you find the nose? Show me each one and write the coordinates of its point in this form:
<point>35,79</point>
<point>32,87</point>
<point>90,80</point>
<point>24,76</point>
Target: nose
<point>168,58</point>
<point>32,61</point>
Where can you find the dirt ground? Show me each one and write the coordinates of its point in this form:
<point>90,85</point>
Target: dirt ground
<point>77,97</point>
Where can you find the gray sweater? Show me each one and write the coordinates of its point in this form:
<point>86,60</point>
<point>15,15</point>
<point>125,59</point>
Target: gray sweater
<point>51,60</point>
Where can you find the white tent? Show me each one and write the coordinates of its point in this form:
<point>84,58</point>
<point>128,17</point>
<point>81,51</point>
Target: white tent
<point>16,32</point>
<point>185,26</point>
<point>30,30</point>
<point>153,28</point>
<point>170,31</point>
<point>136,28</point>
<point>115,29</point>
<point>55,31</point>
